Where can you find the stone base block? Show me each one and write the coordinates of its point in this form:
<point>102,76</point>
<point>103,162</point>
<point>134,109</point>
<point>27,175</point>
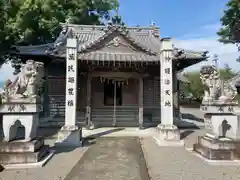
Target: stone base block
<point>21,146</point>
<point>39,164</point>
<point>169,135</point>
<point>69,137</point>
<point>217,149</point>
<point>24,157</point>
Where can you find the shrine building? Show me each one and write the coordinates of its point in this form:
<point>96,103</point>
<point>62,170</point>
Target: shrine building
<point>117,75</point>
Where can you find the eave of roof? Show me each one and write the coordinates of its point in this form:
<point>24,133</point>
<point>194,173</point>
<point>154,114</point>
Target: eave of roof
<point>90,35</point>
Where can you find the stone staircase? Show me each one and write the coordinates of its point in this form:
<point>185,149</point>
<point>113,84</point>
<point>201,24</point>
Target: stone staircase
<point>125,116</point>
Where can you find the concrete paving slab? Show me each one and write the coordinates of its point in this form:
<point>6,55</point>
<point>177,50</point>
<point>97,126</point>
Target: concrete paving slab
<point>111,158</point>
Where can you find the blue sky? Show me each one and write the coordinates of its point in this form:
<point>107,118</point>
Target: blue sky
<point>191,23</point>
<point>175,17</point>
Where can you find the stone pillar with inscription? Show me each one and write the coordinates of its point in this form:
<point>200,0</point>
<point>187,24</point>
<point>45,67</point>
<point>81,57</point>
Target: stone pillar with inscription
<point>169,134</point>
<point>70,134</point>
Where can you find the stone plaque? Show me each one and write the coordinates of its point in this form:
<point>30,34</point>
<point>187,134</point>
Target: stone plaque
<point>208,123</point>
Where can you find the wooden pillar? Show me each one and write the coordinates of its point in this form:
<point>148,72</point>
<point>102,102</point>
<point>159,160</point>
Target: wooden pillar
<point>46,94</point>
<point>89,123</point>
<point>176,94</point>
<point>114,103</point>
<point>140,103</point>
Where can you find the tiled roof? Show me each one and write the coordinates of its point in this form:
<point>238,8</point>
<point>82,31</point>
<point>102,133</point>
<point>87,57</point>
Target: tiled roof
<point>89,36</point>
<point>33,49</point>
<point>109,56</point>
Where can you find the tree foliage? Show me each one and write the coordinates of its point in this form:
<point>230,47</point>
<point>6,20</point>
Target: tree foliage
<point>195,88</point>
<point>230,31</point>
<point>38,21</point>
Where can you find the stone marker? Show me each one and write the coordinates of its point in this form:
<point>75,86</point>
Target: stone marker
<point>70,134</point>
<point>169,134</point>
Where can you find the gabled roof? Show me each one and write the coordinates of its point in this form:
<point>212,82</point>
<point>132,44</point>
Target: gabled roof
<point>90,37</point>
<point>118,30</point>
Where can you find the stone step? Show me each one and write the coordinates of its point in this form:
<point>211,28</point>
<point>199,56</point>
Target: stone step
<point>25,157</point>
<point>19,146</point>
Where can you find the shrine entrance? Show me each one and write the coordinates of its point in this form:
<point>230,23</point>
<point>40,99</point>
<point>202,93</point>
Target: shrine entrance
<point>113,96</point>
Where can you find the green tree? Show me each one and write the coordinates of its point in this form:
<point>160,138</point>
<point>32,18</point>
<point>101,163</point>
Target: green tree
<point>230,31</point>
<point>195,86</point>
<point>38,21</point>
<point>227,73</point>
<point>2,29</point>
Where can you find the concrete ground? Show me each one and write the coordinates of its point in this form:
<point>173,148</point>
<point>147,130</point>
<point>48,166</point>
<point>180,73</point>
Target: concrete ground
<point>117,156</point>
<point>120,153</point>
<point>175,163</point>
<point>112,158</point>
<point>56,169</point>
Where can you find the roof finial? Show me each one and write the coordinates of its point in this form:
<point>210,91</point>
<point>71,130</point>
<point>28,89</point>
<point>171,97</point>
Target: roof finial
<point>155,30</point>
<point>153,23</point>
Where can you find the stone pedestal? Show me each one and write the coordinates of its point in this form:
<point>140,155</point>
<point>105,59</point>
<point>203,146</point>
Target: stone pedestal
<point>20,114</point>
<point>27,152</point>
<point>222,140</point>
<point>218,149</point>
<point>21,154</point>
<point>69,136</point>
<point>168,135</point>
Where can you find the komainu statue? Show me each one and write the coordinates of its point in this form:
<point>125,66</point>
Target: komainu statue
<point>26,84</point>
<point>217,92</point>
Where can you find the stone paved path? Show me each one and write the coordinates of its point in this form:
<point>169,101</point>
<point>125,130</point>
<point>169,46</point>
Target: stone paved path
<point>111,158</point>
<point>175,163</point>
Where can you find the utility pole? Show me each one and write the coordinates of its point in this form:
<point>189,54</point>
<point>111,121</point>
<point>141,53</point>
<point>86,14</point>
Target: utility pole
<point>215,60</point>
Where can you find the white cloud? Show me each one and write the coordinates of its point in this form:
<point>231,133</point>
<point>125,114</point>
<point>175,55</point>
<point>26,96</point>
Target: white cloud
<point>205,39</point>
<point>212,27</point>
<point>6,72</point>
